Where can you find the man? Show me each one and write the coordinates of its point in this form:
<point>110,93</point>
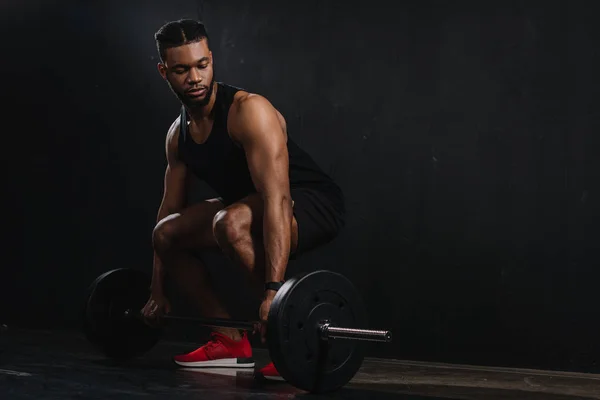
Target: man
<point>275,202</point>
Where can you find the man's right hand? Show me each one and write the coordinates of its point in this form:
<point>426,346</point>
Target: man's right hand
<point>156,307</point>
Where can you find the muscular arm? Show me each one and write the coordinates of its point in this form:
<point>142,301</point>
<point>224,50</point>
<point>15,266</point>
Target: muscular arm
<point>175,181</point>
<point>174,195</point>
<point>257,127</point>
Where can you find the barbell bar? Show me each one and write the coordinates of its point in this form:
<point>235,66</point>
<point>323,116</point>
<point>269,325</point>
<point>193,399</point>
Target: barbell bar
<point>325,328</point>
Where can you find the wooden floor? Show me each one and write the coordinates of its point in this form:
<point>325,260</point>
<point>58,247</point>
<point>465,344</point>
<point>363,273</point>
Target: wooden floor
<point>61,365</point>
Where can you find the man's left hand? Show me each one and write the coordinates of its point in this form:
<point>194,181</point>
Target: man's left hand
<point>264,314</point>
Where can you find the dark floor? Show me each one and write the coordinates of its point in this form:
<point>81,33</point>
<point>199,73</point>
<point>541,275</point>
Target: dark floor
<point>61,365</point>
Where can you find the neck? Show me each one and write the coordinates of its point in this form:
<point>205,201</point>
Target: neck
<point>200,113</point>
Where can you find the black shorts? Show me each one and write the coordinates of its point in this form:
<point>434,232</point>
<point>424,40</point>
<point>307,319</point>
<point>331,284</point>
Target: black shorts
<point>320,217</point>
<point>319,213</point>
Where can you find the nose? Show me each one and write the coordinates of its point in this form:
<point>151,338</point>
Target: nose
<point>194,76</point>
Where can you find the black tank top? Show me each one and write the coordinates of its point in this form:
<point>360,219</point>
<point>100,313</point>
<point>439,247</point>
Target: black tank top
<point>222,164</point>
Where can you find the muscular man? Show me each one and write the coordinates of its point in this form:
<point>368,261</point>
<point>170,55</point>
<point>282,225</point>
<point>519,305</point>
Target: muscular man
<point>275,202</point>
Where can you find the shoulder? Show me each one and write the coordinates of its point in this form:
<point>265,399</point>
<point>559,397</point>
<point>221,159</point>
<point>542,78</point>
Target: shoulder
<point>251,110</point>
<point>173,130</point>
<point>244,102</point>
<point>173,135</point>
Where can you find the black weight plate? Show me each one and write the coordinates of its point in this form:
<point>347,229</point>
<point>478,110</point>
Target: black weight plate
<point>294,341</point>
<point>87,327</point>
<point>105,324</point>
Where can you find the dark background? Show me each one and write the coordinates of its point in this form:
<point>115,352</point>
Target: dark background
<point>464,135</point>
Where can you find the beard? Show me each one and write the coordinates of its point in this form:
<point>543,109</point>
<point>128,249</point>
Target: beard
<point>191,102</point>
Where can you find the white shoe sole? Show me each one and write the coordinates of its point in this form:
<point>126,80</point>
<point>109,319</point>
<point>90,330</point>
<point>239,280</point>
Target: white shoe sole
<point>221,363</point>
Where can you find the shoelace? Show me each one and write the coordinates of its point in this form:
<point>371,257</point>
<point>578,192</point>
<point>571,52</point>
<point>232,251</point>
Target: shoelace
<point>215,341</point>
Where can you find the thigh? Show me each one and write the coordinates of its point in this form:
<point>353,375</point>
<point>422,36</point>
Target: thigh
<point>191,229</point>
<point>249,213</point>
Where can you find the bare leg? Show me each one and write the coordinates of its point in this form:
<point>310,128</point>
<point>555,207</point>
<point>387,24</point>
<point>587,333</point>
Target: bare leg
<point>194,281</point>
<point>175,237</point>
<point>238,232</point>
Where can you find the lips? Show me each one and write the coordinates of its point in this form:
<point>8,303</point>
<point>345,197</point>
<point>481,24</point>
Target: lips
<point>197,91</point>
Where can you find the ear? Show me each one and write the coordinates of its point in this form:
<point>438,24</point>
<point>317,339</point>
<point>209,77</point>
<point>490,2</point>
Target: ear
<point>162,70</point>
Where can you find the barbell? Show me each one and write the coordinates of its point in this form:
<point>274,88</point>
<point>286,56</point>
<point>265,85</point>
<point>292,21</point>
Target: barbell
<point>314,329</point>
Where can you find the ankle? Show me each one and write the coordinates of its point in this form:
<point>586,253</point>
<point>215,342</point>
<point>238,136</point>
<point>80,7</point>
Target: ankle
<point>232,334</point>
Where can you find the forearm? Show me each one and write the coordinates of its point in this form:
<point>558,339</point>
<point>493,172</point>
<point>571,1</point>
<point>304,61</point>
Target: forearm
<point>277,229</point>
<point>158,274</point>
<point>158,271</point>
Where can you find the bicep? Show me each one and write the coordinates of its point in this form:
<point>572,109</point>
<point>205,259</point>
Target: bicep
<point>265,144</point>
<point>268,165</point>
<point>176,176</point>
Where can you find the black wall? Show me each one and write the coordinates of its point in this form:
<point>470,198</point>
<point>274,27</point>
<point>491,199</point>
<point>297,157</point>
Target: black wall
<point>464,135</point>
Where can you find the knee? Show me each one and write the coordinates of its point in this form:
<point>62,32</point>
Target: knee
<point>164,234</point>
<point>229,227</point>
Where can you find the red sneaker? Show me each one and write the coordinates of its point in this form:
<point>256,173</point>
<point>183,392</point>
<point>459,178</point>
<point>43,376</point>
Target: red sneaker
<point>269,372</point>
<point>220,351</point>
